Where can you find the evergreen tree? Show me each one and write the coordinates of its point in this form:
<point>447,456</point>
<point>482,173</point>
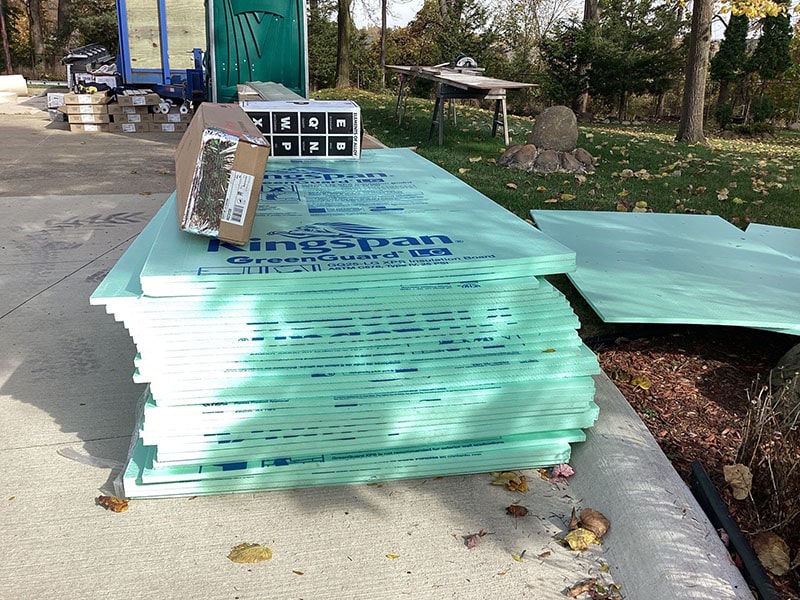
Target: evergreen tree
<point>771,56</point>
<point>729,64</point>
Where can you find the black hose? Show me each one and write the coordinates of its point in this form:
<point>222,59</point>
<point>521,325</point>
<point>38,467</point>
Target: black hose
<point>716,511</point>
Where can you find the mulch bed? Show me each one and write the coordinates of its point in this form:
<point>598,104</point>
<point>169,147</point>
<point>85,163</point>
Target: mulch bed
<point>692,389</point>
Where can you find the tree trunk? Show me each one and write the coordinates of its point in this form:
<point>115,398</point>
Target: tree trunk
<point>690,128</point>
<point>591,12</point>
<point>37,35</point>
<point>4,36</point>
<point>343,44</point>
<point>383,42</point>
<point>724,92</point>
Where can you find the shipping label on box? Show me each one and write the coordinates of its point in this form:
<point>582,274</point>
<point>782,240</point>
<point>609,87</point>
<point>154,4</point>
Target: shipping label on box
<point>309,129</point>
<point>219,168</point>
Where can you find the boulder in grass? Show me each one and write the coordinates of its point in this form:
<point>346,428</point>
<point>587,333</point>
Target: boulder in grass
<point>570,164</point>
<point>508,156</point>
<point>585,158</point>
<point>556,128</point>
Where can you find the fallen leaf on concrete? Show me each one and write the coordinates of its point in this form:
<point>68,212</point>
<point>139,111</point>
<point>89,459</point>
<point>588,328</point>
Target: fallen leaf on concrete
<point>594,521</point>
<point>113,503</point>
<point>519,557</point>
<point>249,553</point>
<point>473,539</point>
<point>573,521</point>
<point>392,556</point>
<point>516,510</point>
<point>561,473</point>
<point>298,572</point>
<point>772,552</point>
<point>513,481</point>
<point>740,479</point>
<point>581,588</point>
<point>580,539</point>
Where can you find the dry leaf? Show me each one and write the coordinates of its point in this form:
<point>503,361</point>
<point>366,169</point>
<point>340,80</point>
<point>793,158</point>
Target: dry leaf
<point>474,159</point>
<point>541,188</point>
<point>567,197</point>
<point>249,553</point>
<point>516,510</point>
<point>511,186</point>
<point>510,479</point>
<point>471,540</point>
<point>740,479</point>
<point>113,503</point>
<point>298,572</point>
<point>594,521</point>
<point>550,200</point>
<point>573,521</point>
<point>462,170</point>
<point>561,473</point>
<point>392,556</point>
<point>580,539</point>
<point>772,552</point>
<point>581,588</point>
<point>641,381</point>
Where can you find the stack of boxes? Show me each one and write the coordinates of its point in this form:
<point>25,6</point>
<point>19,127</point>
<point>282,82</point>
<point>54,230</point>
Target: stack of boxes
<point>87,112</point>
<point>130,111</point>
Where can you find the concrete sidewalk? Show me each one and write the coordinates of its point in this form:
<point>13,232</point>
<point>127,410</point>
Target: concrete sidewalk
<point>72,203</point>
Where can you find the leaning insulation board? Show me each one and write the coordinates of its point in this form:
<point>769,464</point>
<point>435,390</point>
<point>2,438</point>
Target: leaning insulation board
<point>379,305</point>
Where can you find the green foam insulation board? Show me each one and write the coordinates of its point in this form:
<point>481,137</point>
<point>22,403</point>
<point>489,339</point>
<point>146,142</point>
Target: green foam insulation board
<point>367,317</point>
<point>676,268</point>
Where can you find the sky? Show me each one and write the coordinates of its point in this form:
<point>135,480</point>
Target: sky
<point>368,12</point>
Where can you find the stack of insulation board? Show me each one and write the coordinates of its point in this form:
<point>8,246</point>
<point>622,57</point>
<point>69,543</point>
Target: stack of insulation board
<point>386,321</point>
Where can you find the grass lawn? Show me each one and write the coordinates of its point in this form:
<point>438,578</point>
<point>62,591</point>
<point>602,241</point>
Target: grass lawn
<point>740,180</point>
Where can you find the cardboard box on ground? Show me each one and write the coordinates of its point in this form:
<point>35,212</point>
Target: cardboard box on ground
<point>219,168</point>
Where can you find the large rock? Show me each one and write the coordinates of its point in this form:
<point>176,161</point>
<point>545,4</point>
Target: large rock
<point>586,159</point>
<point>548,161</point>
<point>556,128</point>
<point>508,156</point>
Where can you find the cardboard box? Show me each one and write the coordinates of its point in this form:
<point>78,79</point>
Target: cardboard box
<point>219,168</point>
<point>89,127</point>
<point>55,99</point>
<point>88,118</point>
<point>84,109</point>
<point>137,117</point>
<point>309,128</point>
<point>172,117</point>
<point>96,98</point>
<point>168,127</point>
<point>117,109</point>
<point>121,127</point>
<point>138,98</point>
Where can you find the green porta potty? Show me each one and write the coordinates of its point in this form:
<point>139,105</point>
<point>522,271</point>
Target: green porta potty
<point>256,40</point>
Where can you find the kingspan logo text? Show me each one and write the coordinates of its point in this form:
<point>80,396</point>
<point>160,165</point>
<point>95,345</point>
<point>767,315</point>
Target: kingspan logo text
<point>322,246</point>
<point>313,176</point>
